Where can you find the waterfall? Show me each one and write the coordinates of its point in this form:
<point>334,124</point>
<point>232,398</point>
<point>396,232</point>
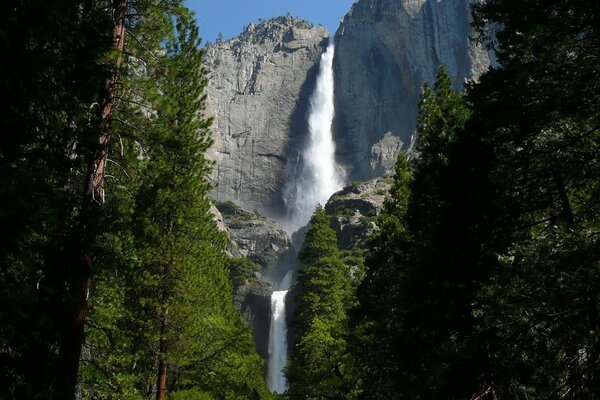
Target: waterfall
<point>319,175</point>
<point>278,337</point>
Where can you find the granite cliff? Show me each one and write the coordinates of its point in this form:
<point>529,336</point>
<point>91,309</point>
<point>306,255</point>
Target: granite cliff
<point>258,93</point>
<point>261,81</point>
<point>385,50</point>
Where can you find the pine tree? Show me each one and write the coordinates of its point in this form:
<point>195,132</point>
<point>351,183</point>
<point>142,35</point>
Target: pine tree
<point>375,321</point>
<point>52,73</point>
<point>415,300</point>
<point>79,258</point>
<point>539,112</point>
<point>320,366</point>
<point>185,339</point>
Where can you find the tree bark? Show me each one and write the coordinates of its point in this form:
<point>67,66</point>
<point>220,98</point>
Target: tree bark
<point>566,210</point>
<point>161,381</point>
<point>79,271</point>
<point>96,182</point>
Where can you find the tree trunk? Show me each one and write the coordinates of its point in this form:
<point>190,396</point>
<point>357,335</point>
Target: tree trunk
<point>80,267</point>
<point>161,381</point>
<point>566,213</point>
<point>96,182</point>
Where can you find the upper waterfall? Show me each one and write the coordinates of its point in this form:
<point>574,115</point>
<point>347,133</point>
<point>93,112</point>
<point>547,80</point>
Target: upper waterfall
<point>319,176</point>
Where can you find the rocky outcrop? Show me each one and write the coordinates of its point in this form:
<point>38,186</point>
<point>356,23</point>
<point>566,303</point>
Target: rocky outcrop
<point>257,244</point>
<point>258,91</point>
<point>256,237</point>
<point>385,51</point>
<point>232,248</point>
<point>354,210</point>
<point>252,299</point>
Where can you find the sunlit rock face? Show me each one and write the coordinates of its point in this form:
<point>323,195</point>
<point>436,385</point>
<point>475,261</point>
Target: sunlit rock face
<point>260,83</point>
<point>261,240</point>
<point>385,50</point>
<point>354,211</point>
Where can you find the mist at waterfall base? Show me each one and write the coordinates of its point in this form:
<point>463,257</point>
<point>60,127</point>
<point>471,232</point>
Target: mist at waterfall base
<point>318,178</point>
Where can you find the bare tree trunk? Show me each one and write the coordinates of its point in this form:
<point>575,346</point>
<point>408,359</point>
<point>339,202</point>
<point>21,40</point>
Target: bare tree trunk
<point>80,268</point>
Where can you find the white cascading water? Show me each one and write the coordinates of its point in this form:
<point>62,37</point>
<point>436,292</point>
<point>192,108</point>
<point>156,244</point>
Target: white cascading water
<point>319,178</point>
<point>278,337</point>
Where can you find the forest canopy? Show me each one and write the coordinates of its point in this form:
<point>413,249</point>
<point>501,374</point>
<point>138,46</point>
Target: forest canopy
<point>480,277</point>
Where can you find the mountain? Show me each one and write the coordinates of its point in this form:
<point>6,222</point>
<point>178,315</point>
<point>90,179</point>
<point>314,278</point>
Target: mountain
<point>385,50</point>
<point>261,82</point>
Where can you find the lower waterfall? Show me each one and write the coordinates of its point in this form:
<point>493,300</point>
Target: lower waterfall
<point>278,337</point>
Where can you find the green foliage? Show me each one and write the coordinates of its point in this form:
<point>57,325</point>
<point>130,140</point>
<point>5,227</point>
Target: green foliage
<point>158,250</point>
<point>321,366</point>
<point>346,212</point>
<point>375,320</point>
<point>52,72</point>
<point>228,207</point>
<point>242,270</point>
<point>488,280</point>
<point>544,131</point>
<point>162,291</point>
<point>541,309</point>
<point>413,301</point>
<point>190,395</point>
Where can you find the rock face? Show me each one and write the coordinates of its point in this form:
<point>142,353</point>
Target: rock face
<point>232,248</point>
<point>261,81</point>
<point>258,91</point>
<point>253,300</point>
<point>385,51</point>
<point>354,210</point>
<point>256,237</point>
<point>261,240</point>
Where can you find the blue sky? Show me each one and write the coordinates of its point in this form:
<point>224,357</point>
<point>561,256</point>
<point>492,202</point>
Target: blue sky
<point>230,16</point>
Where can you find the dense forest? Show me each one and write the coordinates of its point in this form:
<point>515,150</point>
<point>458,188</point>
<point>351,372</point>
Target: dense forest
<point>482,281</point>
<point>106,227</point>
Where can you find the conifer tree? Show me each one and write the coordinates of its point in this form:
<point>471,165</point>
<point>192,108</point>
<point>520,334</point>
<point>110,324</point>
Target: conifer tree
<point>171,314</point>
<point>415,309</point>
<point>52,74</point>
<point>539,112</point>
<point>79,257</point>
<point>375,321</point>
<point>320,366</point>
